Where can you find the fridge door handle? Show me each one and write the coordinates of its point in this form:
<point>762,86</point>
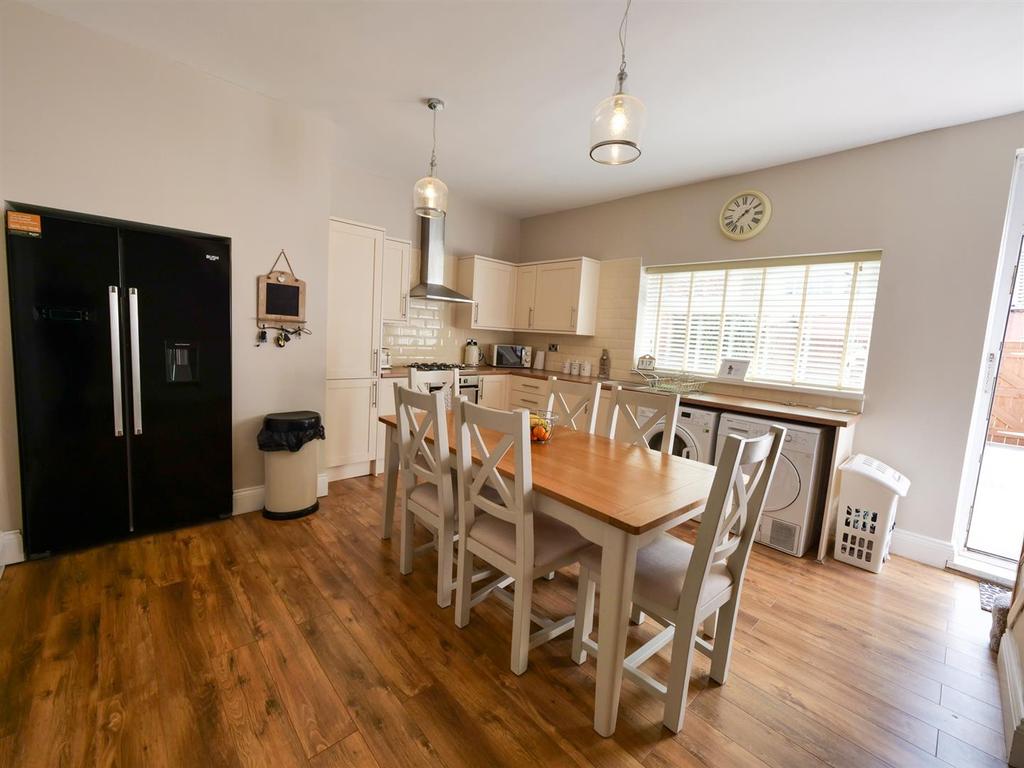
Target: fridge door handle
<point>133,327</point>
<point>115,358</point>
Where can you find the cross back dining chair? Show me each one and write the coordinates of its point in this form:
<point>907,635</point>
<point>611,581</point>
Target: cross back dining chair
<point>574,403</point>
<point>425,469</point>
<point>635,414</point>
<point>680,585</point>
<point>498,524</point>
<point>446,382</point>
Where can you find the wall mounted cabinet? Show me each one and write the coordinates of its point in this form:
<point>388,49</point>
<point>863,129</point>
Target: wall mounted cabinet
<point>549,296</point>
<point>526,290</point>
<point>565,297</point>
<point>492,286</point>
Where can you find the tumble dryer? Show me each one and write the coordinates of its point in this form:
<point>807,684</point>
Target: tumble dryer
<point>792,513</point>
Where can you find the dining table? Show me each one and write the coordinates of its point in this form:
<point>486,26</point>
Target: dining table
<point>616,495</point>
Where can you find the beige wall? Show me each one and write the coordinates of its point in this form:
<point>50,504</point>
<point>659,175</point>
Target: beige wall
<point>105,128</point>
<point>934,203</point>
<point>470,228</point>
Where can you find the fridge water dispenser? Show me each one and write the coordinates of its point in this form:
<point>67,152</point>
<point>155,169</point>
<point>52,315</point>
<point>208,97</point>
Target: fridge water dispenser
<point>181,362</point>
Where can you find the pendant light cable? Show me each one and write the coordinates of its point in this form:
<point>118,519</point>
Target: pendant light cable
<point>623,31</point>
<point>433,148</point>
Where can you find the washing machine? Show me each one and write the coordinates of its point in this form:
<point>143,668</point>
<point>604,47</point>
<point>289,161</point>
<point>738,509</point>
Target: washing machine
<point>695,433</point>
<point>791,520</point>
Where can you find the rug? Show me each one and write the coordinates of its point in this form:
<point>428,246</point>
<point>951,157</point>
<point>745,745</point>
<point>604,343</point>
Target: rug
<point>988,592</point>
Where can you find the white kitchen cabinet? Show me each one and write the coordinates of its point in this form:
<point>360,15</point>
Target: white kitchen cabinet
<point>350,421</point>
<point>526,289</point>
<point>395,281</point>
<point>385,407</point>
<point>565,299</point>
<point>492,286</point>
<point>494,392</point>
<point>354,273</point>
<point>527,392</point>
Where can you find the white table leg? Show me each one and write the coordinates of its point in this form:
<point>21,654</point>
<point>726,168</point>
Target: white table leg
<point>618,565</point>
<point>387,517</point>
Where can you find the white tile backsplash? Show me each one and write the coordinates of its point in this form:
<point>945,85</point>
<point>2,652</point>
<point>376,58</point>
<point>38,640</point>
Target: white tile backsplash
<point>430,335</point>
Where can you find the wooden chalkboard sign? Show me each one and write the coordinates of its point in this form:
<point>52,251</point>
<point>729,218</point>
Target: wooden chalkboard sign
<point>281,296</point>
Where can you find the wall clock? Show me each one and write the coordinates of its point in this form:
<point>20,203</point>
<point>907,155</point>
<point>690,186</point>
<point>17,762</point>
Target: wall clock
<point>745,215</point>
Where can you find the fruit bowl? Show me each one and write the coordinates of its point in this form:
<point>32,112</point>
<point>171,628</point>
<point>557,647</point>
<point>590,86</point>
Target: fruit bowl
<point>542,426</point>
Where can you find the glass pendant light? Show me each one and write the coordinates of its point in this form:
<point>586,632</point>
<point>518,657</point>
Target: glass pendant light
<point>619,119</point>
<point>430,195</point>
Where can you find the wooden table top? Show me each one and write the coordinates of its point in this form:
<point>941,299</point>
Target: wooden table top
<point>630,487</point>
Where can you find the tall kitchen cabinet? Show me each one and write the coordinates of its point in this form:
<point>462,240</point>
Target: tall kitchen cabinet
<point>355,274</point>
<point>396,280</point>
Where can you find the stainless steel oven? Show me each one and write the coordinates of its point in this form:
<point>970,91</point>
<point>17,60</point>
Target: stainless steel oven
<point>469,387</point>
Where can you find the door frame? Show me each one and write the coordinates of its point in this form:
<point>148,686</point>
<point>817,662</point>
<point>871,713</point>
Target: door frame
<point>988,370</point>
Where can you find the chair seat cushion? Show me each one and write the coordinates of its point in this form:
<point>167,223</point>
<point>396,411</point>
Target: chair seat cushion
<point>425,494</point>
<point>661,570</point>
<point>553,541</point>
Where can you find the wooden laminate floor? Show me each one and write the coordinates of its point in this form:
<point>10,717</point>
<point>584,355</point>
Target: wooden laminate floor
<point>249,642</point>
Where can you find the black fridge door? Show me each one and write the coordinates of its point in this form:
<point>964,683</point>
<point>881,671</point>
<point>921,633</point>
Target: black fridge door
<point>178,295</point>
<point>74,474</point>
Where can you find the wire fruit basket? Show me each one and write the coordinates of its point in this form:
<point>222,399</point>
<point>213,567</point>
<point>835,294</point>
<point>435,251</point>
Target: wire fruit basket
<point>542,426</point>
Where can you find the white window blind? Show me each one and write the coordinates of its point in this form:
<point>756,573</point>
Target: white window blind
<point>804,321</point>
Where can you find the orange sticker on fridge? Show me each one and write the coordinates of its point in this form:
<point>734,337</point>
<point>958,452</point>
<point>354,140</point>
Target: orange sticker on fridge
<point>28,224</point>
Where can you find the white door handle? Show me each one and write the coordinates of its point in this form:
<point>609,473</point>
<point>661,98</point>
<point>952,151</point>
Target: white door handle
<point>115,358</point>
<point>133,328</point>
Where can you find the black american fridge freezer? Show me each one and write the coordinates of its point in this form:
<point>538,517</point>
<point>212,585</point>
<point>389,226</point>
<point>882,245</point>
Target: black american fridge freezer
<point>122,363</point>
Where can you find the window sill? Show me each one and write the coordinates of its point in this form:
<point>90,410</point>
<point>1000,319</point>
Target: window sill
<point>853,397</point>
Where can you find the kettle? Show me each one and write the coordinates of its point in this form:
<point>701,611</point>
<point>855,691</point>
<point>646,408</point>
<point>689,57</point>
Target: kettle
<point>471,354</point>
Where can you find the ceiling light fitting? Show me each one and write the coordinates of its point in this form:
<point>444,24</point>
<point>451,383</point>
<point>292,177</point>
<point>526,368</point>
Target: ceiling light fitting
<point>430,195</point>
<point>619,119</point>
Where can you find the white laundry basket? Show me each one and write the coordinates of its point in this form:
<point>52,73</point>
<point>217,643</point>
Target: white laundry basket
<point>868,493</point>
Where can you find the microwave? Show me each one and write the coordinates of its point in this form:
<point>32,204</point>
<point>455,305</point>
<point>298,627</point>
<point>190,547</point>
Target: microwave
<point>511,356</point>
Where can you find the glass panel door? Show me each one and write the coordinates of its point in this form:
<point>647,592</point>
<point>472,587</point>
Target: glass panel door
<point>996,525</point>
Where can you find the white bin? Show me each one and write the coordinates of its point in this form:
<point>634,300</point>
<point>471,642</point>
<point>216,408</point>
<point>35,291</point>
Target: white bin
<point>868,493</point>
<point>290,463</point>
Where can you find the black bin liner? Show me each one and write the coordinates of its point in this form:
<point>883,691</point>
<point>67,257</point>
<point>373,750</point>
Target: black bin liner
<point>289,431</point>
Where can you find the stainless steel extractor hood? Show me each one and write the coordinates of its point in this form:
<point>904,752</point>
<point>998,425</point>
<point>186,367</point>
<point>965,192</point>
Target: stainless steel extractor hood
<point>431,285</point>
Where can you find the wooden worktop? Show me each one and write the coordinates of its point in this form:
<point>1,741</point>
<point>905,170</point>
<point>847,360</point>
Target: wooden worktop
<point>726,403</point>
<point>630,487</point>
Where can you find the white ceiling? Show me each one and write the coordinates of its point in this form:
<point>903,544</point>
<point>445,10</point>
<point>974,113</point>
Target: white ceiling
<point>729,86</point>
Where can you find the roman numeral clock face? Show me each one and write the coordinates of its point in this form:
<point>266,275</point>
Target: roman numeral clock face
<point>745,215</point>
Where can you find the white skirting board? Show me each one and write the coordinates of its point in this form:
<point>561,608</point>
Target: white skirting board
<point>251,499</point>
<point>924,549</point>
<point>11,549</point>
